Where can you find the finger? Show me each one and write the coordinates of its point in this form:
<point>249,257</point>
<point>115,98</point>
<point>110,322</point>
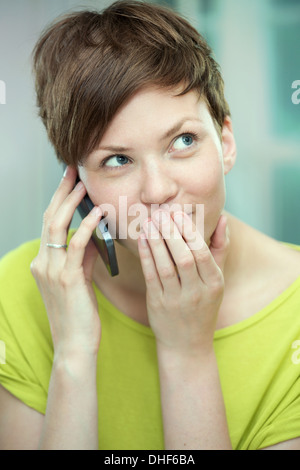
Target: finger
<point>57,228</point>
<point>64,189</point>
<point>180,252</point>
<point>80,240</point>
<point>65,186</point>
<point>162,258</point>
<point>205,263</point>
<point>90,257</point>
<point>148,265</point>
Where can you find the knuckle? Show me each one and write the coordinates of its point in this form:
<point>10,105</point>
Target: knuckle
<point>167,272</point>
<point>203,256</point>
<point>34,267</point>
<point>150,277</point>
<point>76,243</point>
<point>37,268</point>
<point>53,227</point>
<point>217,285</point>
<point>64,280</point>
<point>185,262</point>
<point>51,275</point>
<point>87,223</point>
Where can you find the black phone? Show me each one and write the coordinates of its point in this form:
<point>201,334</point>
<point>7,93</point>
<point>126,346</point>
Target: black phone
<point>101,237</point>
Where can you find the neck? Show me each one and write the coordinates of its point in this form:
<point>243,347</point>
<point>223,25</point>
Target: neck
<point>130,275</point>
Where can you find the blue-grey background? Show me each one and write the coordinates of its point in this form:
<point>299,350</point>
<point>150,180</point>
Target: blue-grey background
<point>257,45</point>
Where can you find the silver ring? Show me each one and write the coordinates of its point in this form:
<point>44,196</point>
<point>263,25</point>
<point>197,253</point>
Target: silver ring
<point>54,245</point>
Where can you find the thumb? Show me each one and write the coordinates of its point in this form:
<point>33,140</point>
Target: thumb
<point>219,244</point>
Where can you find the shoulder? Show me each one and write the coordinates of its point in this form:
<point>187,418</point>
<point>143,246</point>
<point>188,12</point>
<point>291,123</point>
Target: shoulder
<point>263,270</point>
<point>20,301</point>
<point>24,329</point>
<point>275,268</point>
<point>263,257</point>
<point>15,266</point>
<point>282,263</point>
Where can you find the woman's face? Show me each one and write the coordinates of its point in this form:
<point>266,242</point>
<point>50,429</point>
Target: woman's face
<point>160,149</point>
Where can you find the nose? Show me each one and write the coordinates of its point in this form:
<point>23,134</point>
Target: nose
<point>158,184</point>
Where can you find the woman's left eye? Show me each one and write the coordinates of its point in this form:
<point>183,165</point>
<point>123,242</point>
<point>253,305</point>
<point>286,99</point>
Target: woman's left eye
<point>183,142</point>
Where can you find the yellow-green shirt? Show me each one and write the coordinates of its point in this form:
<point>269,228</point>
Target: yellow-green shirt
<point>258,359</point>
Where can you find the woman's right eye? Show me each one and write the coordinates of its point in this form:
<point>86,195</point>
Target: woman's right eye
<point>116,161</point>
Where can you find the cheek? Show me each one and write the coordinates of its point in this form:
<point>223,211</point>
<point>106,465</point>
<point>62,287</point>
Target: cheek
<point>116,205</point>
<point>207,180</point>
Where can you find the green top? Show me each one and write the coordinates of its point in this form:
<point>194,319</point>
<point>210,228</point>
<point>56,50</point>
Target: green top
<point>258,358</point>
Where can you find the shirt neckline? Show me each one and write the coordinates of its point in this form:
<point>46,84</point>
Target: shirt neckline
<point>222,332</point>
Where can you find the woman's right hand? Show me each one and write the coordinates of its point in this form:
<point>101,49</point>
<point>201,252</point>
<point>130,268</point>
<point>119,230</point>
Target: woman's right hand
<point>64,277</point>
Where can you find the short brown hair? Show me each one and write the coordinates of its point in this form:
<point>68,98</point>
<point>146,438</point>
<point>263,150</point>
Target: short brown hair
<point>89,63</point>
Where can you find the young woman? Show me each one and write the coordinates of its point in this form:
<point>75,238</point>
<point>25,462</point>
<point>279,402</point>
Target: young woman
<point>194,344</point>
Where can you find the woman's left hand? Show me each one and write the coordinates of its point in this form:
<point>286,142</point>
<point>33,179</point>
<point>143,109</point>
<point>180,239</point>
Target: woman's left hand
<point>184,280</point>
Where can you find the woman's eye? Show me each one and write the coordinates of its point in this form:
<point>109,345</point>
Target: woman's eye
<point>183,142</point>
<point>116,161</point>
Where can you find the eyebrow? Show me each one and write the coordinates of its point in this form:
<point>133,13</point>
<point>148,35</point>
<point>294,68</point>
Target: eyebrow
<point>173,130</point>
<point>179,125</point>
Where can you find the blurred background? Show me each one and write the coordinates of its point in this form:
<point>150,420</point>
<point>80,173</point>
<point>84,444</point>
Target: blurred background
<point>257,46</point>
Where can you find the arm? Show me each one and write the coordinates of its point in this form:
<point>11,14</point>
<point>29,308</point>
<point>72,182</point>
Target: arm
<point>64,278</point>
<point>71,420</point>
<point>192,403</point>
<point>20,425</point>
<point>182,313</point>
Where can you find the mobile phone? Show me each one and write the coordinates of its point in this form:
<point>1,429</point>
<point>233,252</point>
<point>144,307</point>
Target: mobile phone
<point>101,237</point>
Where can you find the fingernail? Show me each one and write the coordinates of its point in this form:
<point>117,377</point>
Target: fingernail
<point>178,218</point>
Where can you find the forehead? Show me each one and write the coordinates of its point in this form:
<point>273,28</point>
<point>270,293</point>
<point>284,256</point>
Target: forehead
<point>155,110</point>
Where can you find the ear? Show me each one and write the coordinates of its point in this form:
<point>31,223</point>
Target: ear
<point>228,145</point>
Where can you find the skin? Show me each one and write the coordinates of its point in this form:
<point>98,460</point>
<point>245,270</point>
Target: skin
<point>164,167</point>
<point>178,291</point>
<point>160,170</point>
<point>167,170</point>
